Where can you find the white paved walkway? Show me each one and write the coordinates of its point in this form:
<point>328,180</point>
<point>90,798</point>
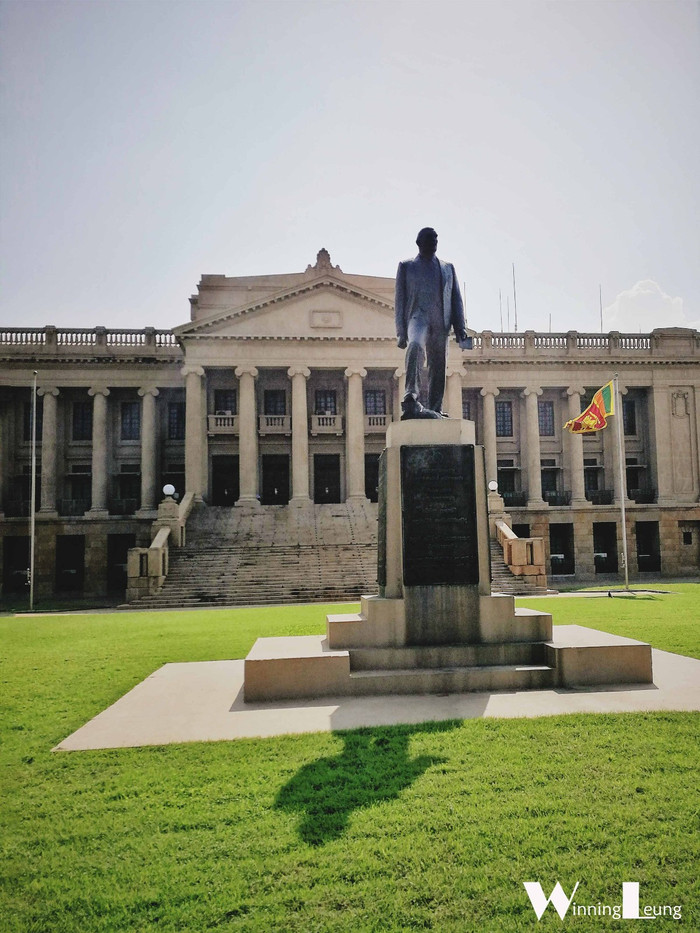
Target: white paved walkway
<point>203,701</point>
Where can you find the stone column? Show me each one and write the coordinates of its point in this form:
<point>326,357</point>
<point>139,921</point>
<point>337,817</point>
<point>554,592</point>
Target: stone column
<point>399,392</point>
<point>99,449</point>
<point>661,426</point>
<point>49,460</point>
<point>575,445</point>
<point>300,436</point>
<point>610,438</point>
<point>454,392</point>
<point>355,435</point>
<point>489,394</point>
<point>148,448</point>
<point>532,443</point>
<point>195,431</point>
<point>247,436</point>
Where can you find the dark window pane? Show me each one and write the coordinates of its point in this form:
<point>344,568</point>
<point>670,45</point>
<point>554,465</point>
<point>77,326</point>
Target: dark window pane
<point>466,408</point>
<point>225,400</point>
<point>275,401</point>
<point>629,417</point>
<point>325,402</point>
<point>176,421</point>
<point>590,479</point>
<point>131,421</point>
<point>504,419</point>
<point>82,421</point>
<point>549,480</point>
<point>545,413</point>
<point>375,402</point>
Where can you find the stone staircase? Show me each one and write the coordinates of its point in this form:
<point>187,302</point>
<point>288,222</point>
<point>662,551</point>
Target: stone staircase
<point>503,581</point>
<point>270,555</point>
<point>276,554</point>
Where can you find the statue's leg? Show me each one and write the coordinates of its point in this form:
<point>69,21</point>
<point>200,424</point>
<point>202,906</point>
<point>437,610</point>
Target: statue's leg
<point>415,354</point>
<point>437,365</point>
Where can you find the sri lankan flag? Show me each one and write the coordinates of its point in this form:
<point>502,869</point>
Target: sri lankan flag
<point>594,418</point>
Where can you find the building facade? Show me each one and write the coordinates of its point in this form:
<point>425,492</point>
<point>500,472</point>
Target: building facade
<point>279,391</point>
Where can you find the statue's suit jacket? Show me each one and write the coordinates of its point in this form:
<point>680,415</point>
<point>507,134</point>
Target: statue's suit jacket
<point>406,298</point>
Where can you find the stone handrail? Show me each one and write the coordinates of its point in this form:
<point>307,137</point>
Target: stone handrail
<point>524,556</point>
<point>184,509</point>
<point>147,567</point>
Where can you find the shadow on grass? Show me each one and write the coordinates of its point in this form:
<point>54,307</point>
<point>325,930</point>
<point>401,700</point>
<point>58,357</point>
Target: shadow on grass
<point>374,766</point>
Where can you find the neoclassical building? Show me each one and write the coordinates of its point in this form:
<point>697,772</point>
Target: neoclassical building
<point>278,392</point>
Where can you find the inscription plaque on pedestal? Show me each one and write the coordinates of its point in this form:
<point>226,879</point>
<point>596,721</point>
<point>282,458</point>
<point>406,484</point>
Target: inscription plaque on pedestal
<point>438,514</point>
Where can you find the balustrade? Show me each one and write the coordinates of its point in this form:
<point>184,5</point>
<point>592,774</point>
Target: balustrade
<point>326,424</point>
<point>376,424</point>
<point>274,424</point>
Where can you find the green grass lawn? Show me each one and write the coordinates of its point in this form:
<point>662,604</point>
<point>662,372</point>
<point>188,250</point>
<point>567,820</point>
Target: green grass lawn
<point>429,827</point>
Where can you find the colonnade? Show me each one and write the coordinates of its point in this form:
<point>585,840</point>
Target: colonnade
<point>196,437</point>
<point>100,449</point>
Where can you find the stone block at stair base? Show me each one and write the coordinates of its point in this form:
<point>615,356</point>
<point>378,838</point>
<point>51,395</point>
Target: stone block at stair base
<point>299,666</point>
<point>381,622</point>
<point>584,657</point>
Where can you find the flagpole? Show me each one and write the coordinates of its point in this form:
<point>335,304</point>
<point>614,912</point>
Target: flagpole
<point>621,472</point>
<point>32,499</point>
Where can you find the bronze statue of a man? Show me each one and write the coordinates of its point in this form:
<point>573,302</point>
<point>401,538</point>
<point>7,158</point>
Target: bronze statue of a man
<point>428,304</point>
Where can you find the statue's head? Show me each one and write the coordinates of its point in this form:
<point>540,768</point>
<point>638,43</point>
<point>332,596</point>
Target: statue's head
<point>427,241</point>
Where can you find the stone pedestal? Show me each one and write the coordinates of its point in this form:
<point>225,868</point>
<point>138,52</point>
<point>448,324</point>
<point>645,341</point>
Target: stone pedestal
<point>435,626</point>
<point>433,549</point>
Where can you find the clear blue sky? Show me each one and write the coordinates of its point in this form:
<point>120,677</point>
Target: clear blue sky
<point>146,143</point>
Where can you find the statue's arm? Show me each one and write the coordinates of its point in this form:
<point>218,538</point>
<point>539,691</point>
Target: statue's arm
<point>400,307</point>
<point>457,316</point>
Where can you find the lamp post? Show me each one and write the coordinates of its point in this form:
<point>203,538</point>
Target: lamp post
<point>32,498</point>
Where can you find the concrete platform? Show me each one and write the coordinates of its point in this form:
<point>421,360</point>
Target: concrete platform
<point>203,702</point>
<point>312,666</point>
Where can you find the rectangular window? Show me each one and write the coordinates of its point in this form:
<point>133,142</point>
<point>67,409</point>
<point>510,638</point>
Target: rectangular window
<point>225,401</point>
<point>545,416</point>
<point>27,426</point>
<point>629,417</point>
<point>375,402</point>
<point>325,402</point>
<point>504,419</point>
<point>176,421</point>
<point>591,472</point>
<point>549,475</point>
<point>466,408</point>
<point>506,475</point>
<point>275,402</point>
<point>131,421</point>
<point>82,421</point>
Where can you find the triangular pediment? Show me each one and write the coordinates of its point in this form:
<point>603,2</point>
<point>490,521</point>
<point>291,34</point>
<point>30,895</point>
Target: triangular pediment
<point>323,306</point>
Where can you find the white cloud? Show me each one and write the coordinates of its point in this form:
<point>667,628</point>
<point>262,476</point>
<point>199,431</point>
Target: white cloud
<point>644,307</point>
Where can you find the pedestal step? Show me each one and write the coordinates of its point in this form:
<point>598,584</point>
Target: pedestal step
<point>573,657</point>
<point>446,656</point>
<point>452,679</point>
